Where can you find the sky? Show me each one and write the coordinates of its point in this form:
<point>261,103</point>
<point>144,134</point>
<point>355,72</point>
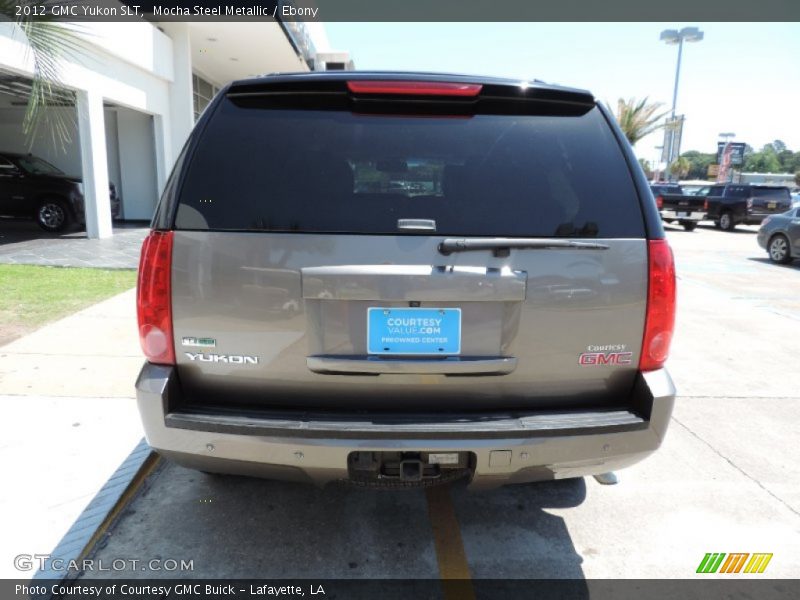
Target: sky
<point>742,77</point>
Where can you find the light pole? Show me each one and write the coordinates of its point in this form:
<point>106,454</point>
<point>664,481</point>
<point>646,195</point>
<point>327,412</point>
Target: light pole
<point>672,37</point>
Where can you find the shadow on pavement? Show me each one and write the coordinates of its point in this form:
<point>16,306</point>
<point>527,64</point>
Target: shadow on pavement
<point>738,229</point>
<point>238,527</point>
<point>15,230</point>
<point>509,534</point>
<point>794,265</point>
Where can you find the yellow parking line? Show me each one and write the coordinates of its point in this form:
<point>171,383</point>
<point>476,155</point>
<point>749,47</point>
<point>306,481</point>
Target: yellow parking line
<point>453,567</point>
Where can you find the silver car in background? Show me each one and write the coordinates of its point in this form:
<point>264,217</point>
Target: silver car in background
<point>779,235</point>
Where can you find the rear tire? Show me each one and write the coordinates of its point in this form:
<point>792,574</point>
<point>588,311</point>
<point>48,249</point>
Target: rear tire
<point>52,215</point>
<point>689,225</point>
<point>726,222</point>
<point>778,249</point>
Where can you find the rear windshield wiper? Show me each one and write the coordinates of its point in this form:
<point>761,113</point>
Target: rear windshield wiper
<point>501,247</point>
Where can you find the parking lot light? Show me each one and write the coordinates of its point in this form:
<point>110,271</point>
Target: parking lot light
<point>672,37</point>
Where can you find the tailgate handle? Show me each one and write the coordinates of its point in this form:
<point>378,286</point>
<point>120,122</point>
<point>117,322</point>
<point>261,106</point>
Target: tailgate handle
<point>416,224</point>
<point>376,366</point>
<point>502,246</point>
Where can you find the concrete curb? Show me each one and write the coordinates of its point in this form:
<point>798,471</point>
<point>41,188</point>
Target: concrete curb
<point>91,527</point>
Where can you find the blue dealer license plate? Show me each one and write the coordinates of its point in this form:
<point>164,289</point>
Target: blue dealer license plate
<point>414,331</point>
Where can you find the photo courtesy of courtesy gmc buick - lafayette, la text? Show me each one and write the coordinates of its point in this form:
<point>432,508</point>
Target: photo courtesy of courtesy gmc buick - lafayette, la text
<point>402,279</point>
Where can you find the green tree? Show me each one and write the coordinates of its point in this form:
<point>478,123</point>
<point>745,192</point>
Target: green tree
<point>764,161</point>
<point>638,119</point>
<point>48,43</point>
<point>680,167</point>
<point>790,161</point>
<point>778,146</point>
<point>699,163</point>
<point>797,177</point>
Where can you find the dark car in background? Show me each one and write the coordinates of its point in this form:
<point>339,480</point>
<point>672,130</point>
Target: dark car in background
<point>779,235</point>
<point>674,205</point>
<point>732,204</point>
<point>32,188</point>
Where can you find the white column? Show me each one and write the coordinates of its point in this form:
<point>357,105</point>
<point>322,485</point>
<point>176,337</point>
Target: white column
<point>181,117</point>
<point>163,153</point>
<point>92,134</point>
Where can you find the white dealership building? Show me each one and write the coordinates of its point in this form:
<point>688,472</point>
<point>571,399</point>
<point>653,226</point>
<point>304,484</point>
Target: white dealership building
<point>133,92</point>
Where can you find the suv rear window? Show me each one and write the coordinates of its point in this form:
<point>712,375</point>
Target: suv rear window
<point>667,189</point>
<point>772,192</point>
<point>324,171</point>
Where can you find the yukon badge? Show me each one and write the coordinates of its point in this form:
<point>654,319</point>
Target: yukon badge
<point>231,359</point>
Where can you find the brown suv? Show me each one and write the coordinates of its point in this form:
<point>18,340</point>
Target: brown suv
<point>400,278</point>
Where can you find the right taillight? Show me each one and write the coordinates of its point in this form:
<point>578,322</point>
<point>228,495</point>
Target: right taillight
<point>705,205</point>
<point>660,317</point>
<point>154,298</point>
<point>659,202</point>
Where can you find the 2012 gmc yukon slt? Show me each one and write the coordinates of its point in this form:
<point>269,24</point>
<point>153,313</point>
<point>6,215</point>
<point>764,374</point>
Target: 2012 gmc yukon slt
<point>398,279</point>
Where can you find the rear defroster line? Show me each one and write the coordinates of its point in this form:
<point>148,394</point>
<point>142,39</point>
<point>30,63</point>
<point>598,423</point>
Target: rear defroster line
<point>450,554</point>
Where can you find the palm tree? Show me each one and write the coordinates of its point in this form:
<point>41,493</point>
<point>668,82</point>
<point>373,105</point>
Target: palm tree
<point>638,119</point>
<point>680,167</point>
<point>48,43</point>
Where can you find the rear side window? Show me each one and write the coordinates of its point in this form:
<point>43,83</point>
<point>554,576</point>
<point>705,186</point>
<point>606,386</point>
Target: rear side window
<point>738,191</point>
<point>326,171</point>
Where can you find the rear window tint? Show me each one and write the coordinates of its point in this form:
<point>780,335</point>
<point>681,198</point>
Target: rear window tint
<point>266,169</point>
<point>667,189</point>
<point>738,191</point>
<point>773,193</point>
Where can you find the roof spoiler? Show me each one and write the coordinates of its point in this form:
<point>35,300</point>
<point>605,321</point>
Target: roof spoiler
<point>412,86</point>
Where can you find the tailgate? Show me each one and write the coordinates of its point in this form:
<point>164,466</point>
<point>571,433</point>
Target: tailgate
<point>769,201</point>
<point>539,327</point>
<point>680,203</point>
<point>357,255</point>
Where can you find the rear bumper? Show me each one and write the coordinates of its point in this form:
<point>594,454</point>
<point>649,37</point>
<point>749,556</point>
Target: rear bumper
<point>755,219</point>
<point>505,449</point>
<point>678,215</point>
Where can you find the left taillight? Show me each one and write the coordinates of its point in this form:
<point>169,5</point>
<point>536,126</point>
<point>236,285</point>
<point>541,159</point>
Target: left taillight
<point>660,317</point>
<point>659,202</point>
<point>154,298</point>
